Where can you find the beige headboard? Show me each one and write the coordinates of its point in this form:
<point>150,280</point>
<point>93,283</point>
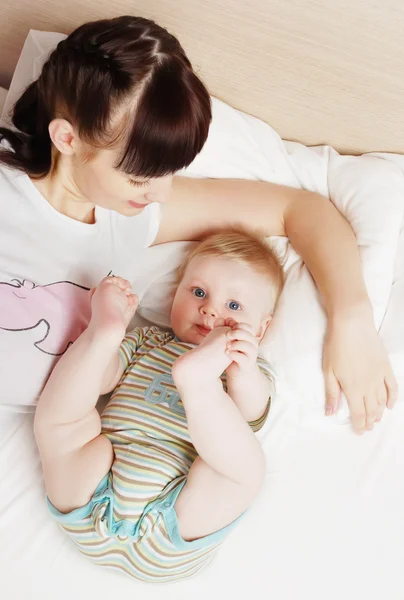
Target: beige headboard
<point>318,71</point>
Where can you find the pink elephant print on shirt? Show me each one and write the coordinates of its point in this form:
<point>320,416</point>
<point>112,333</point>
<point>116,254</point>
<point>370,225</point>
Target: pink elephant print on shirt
<point>63,306</point>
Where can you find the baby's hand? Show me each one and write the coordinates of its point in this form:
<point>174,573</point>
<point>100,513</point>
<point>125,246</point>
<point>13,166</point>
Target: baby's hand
<point>241,348</point>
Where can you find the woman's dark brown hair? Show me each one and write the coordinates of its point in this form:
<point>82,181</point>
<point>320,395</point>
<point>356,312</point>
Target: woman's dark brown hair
<point>128,68</point>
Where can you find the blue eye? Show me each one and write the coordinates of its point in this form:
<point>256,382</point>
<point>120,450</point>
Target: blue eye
<point>198,292</point>
<point>234,305</point>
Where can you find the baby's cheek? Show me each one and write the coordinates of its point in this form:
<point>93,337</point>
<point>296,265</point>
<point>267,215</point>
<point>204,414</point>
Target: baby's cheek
<point>177,315</point>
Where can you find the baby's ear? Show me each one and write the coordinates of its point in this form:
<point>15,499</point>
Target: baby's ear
<point>263,327</point>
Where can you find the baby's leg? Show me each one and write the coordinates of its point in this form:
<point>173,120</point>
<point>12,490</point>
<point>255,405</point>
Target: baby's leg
<point>74,455</point>
<point>230,469</point>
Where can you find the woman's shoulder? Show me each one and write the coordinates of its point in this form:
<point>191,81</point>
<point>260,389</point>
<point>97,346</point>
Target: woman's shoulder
<point>9,177</point>
<point>11,182</point>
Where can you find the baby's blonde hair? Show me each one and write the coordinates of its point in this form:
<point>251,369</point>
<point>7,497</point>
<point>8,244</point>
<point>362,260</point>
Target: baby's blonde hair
<point>244,247</point>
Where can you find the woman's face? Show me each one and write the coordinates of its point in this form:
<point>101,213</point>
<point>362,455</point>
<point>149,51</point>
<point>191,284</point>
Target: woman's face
<point>98,181</point>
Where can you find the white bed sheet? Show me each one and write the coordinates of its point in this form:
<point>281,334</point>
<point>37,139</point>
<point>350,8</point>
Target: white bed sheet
<point>329,523</point>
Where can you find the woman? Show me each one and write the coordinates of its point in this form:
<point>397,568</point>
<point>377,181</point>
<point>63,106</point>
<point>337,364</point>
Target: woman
<point>87,182</point>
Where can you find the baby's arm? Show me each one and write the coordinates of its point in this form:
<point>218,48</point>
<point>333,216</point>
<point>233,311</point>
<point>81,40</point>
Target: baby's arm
<point>251,393</point>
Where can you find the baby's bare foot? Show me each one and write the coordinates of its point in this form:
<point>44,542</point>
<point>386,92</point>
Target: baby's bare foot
<point>112,307</point>
<point>205,362</point>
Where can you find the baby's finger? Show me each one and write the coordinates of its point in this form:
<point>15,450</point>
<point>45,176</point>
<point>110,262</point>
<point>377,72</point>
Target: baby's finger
<point>242,334</point>
<point>239,358</point>
<point>241,346</point>
<point>245,327</point>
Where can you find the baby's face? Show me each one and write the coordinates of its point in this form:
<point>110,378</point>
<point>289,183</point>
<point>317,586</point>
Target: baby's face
<point>218,288</point>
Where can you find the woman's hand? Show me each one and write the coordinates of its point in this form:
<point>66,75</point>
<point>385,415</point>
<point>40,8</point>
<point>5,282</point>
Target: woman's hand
<point>356,362</point>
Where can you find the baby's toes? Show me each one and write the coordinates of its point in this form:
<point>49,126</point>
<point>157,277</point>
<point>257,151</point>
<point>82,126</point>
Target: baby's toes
<point>120,282</point>
<point>133,300</point>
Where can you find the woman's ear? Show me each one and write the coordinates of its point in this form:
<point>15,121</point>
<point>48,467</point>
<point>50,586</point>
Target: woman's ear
<point>263,327</point>
<point>63,136</point>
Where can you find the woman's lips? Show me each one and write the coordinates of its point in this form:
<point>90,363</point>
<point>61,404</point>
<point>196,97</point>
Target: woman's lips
<point>136,204</point>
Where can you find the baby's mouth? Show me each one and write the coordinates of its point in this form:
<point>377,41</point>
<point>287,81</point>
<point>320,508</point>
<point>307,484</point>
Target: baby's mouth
<point>203,330</point>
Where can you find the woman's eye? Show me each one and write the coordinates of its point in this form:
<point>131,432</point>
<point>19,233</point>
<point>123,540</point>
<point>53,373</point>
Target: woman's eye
<point>234,305</point>
<point>198,292</point>
<point>138,183</point>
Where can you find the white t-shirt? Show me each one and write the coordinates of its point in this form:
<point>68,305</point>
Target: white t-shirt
<point>48,263</point>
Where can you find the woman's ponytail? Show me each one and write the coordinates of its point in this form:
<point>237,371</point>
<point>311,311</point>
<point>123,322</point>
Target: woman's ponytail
<point>30,144</point>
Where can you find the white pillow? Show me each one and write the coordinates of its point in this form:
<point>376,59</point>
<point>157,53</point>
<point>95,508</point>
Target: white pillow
<point>368,190</point>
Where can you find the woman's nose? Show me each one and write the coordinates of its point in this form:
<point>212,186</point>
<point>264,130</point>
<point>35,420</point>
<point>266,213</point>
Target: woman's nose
<point>208,311</point>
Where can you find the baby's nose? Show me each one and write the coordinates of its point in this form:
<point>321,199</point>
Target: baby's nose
<point>208,311</point>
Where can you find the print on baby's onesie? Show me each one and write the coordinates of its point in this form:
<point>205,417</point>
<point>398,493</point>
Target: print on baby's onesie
<point>162,391</point>
<point>63,306</point>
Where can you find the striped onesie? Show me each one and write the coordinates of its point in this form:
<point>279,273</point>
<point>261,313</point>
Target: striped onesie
<point>130,524</point>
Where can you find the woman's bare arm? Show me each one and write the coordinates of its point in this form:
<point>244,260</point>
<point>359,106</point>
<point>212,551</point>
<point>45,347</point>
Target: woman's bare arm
<point>354,358</point>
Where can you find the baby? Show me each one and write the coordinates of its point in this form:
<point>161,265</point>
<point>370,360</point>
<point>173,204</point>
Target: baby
<point>154,486</point>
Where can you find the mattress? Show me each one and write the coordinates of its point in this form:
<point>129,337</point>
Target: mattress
<point>329,521</point>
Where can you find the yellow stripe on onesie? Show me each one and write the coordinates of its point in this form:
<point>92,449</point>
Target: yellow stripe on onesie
<point>130,524</point>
